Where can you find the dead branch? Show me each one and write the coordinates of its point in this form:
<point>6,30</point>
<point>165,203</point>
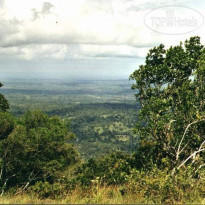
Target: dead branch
<point>179,150</point>
<point>192,155</point>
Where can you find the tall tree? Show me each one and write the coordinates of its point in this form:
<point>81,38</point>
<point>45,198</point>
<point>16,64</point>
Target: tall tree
<point>4,106</point>
<point>170,87</point>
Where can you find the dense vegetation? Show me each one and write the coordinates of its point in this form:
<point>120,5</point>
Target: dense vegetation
<point>167,166</point>
<point>171,89</point>
<point>102,113</point>
<point>33,148</point>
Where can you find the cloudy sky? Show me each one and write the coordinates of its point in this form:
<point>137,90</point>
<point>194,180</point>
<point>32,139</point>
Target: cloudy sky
<point>90,38</point>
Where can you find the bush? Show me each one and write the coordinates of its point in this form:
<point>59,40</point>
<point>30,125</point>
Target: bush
<point>159,186</point>
<point>41,151</point>
<point>45,189</point>
<point>110,169</point>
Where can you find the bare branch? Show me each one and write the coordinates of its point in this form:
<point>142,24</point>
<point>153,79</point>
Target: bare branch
<point>179,150</point>
<point>3,187</point>
<point>5,183</point>
<point>1,172</point>
<point>192,155</point>
<point>30,179</point>
<point>27,184</point>
<point>202,165</point>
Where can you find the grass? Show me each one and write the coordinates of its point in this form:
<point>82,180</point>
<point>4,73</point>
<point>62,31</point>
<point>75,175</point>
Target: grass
<point>105,195</point>
<point>95,195</point>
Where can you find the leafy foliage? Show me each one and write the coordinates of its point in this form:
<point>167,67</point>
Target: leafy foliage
<point>171,91</point>
<point>4,106</point>
<point>109,169</point>
<point>36,150</point>
<point>102,112</point>
<point>7,123</point>
<point>41,150</point>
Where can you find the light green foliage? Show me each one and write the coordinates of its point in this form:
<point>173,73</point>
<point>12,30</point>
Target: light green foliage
<point>160,186</point>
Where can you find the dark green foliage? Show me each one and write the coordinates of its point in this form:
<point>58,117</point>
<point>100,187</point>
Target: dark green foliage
<point>36,150</point>
<point>171,91</point>
<point>7,124</point>
<point>55,190</point>
<point>4,106</point>
<point>109,169</point>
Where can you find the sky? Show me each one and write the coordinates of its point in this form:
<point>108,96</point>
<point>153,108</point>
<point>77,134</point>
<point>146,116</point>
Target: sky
<point>90,38</point>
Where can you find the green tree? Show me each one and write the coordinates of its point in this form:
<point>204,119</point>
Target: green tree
<point>36,150</point>
<point>4,106</point>
<point>170,87</point>
<point>7,124</point>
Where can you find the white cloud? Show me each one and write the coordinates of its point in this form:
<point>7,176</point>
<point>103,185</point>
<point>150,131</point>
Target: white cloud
<point>29,52</point>
<point>81,28</point>
<point>118,51</point>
